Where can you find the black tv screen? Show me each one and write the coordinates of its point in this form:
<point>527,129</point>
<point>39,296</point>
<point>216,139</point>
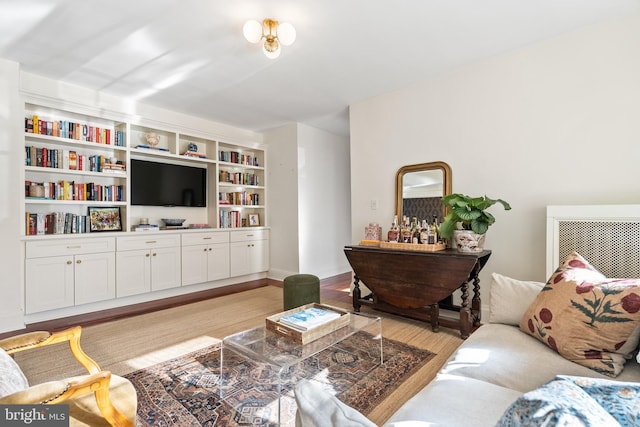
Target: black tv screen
<point>164,184</point>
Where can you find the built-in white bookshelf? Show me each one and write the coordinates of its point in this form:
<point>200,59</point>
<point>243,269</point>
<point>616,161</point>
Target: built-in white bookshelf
<point>75,160</point>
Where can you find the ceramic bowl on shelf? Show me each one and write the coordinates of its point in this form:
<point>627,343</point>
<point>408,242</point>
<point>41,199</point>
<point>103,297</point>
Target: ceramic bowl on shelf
<point>172,222</point>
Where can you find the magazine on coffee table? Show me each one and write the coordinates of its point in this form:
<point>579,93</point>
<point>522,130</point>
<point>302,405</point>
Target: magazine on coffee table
<point>309,318</point>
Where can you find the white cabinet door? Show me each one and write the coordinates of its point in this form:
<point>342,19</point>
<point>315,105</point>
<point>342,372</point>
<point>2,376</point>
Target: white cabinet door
<point>218,261</point>
<point>95,277</point>
<point>133,272</point>
<point>240,253</point>
<point>194,264</point>
<point>165,268</point>
<point>49,283</point>
<point>249,257</point>
<point>260,256</point>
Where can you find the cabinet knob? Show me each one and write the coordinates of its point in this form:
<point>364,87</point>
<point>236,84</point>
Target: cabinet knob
<point>147,255</point>
<point>151,241</point>
<point>154,254</point>
<point>69,262</point>
<point>205,249</point>
<point>209,249</point>
<point>79,261</point>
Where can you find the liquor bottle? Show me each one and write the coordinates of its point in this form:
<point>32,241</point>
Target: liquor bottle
<point>415,231</point>
<point>394,232</point>
<point>424,232</point>
<point>405,231</point>
<point>434,229</point>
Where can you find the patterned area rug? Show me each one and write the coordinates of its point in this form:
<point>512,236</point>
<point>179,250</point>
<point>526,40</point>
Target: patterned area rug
<point>184,391</point>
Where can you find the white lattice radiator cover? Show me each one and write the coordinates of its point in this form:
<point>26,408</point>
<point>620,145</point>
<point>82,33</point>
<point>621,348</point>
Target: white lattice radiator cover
<point>608,236</point>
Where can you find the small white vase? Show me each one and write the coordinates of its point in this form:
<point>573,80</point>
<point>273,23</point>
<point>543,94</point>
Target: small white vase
<point>468,241</point>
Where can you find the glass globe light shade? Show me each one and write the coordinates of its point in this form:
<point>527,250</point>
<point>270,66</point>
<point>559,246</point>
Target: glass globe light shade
<point>270,52</point>
<point>252,31</point>
<point>286,34</point>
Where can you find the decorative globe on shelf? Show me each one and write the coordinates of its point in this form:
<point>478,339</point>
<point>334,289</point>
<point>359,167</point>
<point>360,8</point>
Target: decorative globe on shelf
<point>153,139</point>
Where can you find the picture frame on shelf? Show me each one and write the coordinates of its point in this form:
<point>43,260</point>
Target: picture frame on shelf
<point>254,220</point>
<point>104,218</point>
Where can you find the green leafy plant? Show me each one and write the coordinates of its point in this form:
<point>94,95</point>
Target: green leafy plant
<point>469,212</point>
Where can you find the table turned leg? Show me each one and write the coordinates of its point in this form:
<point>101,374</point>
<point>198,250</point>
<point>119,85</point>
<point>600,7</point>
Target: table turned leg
<point>465,312</point>
<point>356,294</point>
<point>435,317</point>
<point>476,302</point>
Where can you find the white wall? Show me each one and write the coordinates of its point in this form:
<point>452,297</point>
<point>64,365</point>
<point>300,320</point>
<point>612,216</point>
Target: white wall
<point>554,123</point>
<point>309,201</point>
<point>324,192</point>
<point>11,177</point>
<point>282,200</point>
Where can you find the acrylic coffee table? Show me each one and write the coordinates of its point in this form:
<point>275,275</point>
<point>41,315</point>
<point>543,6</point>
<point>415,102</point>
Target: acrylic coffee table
<point>277,357</point>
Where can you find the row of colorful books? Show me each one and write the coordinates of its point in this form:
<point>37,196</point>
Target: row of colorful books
<point>69,159</point>
<point>73,130</point>
<point>239,158</point>
<point>230,219</point>
<point>239,198</point>
<point>71,190</point>
<point>241,178</point>
<point>55,223</point>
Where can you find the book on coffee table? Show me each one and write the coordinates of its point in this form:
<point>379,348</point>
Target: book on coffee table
<point>309,318</point>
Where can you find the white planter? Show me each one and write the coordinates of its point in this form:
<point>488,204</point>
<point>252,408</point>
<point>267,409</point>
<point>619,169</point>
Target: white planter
<point>468,241</point>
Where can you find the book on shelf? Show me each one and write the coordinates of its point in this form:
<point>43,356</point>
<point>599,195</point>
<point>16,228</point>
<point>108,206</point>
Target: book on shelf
<point>145,227</point>
<point>189,153</point>
<point>148,147</point>
<point>309,318</point>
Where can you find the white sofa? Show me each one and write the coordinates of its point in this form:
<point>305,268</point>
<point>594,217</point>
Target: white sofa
<point>495,366</point>
<point>486,374</point>
<point>492,368</point>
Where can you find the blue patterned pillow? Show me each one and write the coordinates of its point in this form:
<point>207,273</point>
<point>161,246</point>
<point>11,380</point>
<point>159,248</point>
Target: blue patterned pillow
<point>620,399</point>
<point>571,401</point>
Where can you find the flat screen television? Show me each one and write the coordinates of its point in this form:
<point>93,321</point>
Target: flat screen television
<point>164,184</point>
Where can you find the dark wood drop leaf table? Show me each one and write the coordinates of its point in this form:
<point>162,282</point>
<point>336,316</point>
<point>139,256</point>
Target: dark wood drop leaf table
<point>417,284</point>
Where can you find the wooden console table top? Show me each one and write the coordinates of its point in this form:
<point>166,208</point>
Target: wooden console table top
<point>413,283</point>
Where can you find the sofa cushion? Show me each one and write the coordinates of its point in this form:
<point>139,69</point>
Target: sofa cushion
<point>319,408</point>
<point>451,400</point>
<point>510,298</point>
<point>11,377</point>
<point>585,317</point>
<point>581,401</point>
<point>504,356</point>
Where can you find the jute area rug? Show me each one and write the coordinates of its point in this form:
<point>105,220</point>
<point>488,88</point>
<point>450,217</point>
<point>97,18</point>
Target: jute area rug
<point>184,391</point>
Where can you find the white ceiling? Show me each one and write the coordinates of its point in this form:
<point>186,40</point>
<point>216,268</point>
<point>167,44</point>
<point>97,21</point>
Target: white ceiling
<point>190,55</point>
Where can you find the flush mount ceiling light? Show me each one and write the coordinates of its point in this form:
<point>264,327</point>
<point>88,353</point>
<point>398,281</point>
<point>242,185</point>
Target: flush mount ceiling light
<point>272,33</point>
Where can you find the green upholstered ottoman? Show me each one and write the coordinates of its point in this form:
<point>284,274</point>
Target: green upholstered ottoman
<point>300,289</point>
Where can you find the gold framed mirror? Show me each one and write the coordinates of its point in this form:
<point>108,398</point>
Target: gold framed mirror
<point>419,190</point>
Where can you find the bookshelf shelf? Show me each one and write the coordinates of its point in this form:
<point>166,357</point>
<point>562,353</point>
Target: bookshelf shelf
<point>239,166</point>
<point>232,185</point>
<point>59,171</point>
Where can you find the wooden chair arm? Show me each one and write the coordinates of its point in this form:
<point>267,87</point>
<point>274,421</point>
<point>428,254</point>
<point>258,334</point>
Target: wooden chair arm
<point>37,339</point>
<point>56,392</point>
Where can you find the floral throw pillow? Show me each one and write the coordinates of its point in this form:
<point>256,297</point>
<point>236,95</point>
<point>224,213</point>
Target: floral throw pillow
<point>585,317</point>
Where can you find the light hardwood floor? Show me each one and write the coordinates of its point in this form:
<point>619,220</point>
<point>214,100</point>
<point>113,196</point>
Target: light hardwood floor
<point>132,343</point>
